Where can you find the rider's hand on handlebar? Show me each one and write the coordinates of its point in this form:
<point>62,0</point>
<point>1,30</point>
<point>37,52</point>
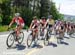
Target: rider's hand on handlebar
<point>8,28</point>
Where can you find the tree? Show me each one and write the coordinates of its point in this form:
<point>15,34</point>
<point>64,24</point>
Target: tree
<point>53,11</point>
<point>44,9</point>
<point>5,8</point>
<point>27,9</point>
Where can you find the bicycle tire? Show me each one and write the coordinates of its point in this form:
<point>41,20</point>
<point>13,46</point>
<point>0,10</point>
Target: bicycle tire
<point>22,38</point>
<point>7,40</point>
<point>29,44</point>
<point>46,39</point>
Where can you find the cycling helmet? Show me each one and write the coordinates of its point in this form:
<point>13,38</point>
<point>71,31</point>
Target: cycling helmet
<point>50,16</point>
<point>17,14</point>
<point>43,17</point>
<point>35,17</point>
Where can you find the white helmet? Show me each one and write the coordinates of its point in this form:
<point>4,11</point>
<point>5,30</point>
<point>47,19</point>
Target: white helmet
<point>17,14</point>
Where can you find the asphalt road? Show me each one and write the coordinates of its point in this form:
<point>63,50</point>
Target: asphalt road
<point>67,47</point>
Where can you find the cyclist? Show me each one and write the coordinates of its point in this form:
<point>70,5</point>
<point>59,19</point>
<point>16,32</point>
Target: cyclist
<point>61,27</point>
<point>43,23</point>
<point>50,22</point>
<point>19,21</point>
<point>34,26</point>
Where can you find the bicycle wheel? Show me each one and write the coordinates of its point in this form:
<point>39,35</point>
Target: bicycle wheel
<point>29,40</point>
<point>60,38</point>
<point>10,40</point>
<point>20,37</point>
<point>46,39</point>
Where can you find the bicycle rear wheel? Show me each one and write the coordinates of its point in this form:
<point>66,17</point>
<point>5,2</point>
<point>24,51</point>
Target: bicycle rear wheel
<point>10,40</point>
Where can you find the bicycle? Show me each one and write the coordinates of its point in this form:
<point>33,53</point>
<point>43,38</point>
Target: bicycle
<point>60,35</point>
<point>12,37</point>
<point>42,32</point>
<point>32,39</point>
<point>47,36</point>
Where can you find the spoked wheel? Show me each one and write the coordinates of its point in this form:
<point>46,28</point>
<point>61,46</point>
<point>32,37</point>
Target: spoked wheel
<point>46,39</point>
<point>10,40</point>
<point>41,32</point>
<point>60,38</point>
<point>20,37</point>
<point>29,40</point>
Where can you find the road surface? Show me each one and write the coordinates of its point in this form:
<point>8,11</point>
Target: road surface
<point>66,48</point>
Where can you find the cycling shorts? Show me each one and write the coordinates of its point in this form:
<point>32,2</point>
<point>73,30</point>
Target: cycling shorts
<point>50,26</point>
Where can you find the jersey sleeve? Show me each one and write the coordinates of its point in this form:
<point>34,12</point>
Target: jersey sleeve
<point>21,20</point>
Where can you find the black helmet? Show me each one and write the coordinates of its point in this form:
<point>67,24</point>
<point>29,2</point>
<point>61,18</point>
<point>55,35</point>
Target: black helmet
<point>43,17</point>
<point>35,17</point>
<point>50,16</point>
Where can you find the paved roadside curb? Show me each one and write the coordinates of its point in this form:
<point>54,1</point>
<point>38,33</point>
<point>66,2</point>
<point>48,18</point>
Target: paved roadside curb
<point>2,33</point>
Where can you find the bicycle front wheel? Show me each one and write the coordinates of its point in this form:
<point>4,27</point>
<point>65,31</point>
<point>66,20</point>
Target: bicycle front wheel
<point>20,37</point>
<point>29,40</point>
<point>46,39</point>
<point>10,40</point>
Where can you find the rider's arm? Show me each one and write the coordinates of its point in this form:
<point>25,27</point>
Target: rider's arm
<point>31,25</point>
<point>11,22</point>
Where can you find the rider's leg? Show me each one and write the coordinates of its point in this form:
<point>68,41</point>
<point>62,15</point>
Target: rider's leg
<point>18,30</point>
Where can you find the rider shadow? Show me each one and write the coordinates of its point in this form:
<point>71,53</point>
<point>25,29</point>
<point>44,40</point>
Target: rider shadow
<point>12,47</point>
<point>72,37</point>
<point>20,47</point>
<point>62,42</point>
<point>37,46</point>
<point>52,44</point>
<point>66,37</point>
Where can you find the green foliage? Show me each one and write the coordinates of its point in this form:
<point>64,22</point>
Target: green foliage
<point>27,9</point>
<point>3,28</point>
<point>0,19</point>
<point>54,12</point>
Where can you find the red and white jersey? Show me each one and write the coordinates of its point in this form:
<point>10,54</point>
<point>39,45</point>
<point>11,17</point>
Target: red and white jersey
<point>43,22</point>
<point>18,20</point>
<point>35,22</point>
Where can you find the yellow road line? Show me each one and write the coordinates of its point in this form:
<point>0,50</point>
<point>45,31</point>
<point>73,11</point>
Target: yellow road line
<point>32,51</point>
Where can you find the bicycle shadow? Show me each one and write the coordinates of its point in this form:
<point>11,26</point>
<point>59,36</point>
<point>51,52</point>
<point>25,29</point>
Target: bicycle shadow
<point>52,44</point>
<point>37,46</point>
<point>72,36</point>
<point>12,47</point>
<point>69,37</point>
<point>65,43</point>
<point>66,37</point>
<point>18,47</point>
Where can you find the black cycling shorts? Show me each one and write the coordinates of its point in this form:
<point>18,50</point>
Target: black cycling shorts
<point>62,27</point>
<point>50,26</point>
<point>72,27</point>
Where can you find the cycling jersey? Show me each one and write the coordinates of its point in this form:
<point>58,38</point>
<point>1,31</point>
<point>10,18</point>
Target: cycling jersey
<point>51,22</point>
<point>19,21</point>
<point>35,23</point>
<point>43,22</point>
